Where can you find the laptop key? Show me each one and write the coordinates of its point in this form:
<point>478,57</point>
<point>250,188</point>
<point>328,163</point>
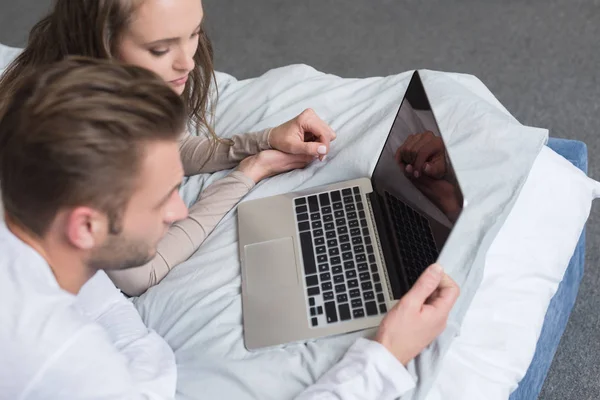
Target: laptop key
<point>312,280</point>
<point>336,260</point>
<point>311,301</point>
<point>313,291</point>
<point>322,258</point>
<point>314,321</point>
<point>321,249</point>
<point>367,239</point>
<point>371,258</point>
<point>334,252</point>
<point>382,308</point>
<point>342,230</point>
<point>350,207</point>
<point>366,286</point>
<point>348,200</point>
<point>318,232</point>
<point>313,204</point>
<point>353,283</point>
<point>347,256</point>
<point>355,232</point>
<point>325,276</point>
<point>339,214</point>
<point>364,276</point>
<point>356,190</point>
<point>380,298</point>
<point>320,310</point>
<point>319,241</point>
<point>326,210</point>
<point>376,278</point>
<point>358,313</point>
<point>336,269</point>
<point>324,199</point>
<point>303,226</point>
<point>347,192</point>
<point>328,296</point>
<point>332,242</point>
<point>338,278</point>
<point>373,267</point>
<point>368,295</point>
<point>323,267</point>
<point>330,312</point>
<point>327,217</point>
<point>370,249</point>
<point>365,231</point>
<point>300,201</point>
<point>351,274</point>
<point>342,298</point>
<point>346,247</point>
<point>330,234</point>
<point>301,209</point>
<point>356,240</point>
<point>308,255</point>
<point>344,312</point>
<point>371,307</point>
<point>349,265</point>
<point>340,288</point>
<point>317,224</point>
<point>361,258</point>
<point>338,206</point>
<point>351,215</point>
<point>353,223</point>
<point>340,222</point>
<point>357,198</point>
<point>378,288</point>
<point>315,216</point>
<point>359,249</point>
<point>359,206</point>
<point>363,267</point>
<point>313,311</point>
<point>329,226</point>
<point>356,303</point>
<point>326,286</point>
<point>336,196</point>
<point>354,293</point>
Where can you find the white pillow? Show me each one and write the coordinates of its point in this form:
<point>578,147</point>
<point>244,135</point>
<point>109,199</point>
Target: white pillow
<point>524,266</point>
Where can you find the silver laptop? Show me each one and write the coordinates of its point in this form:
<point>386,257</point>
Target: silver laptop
<point>334,259</point>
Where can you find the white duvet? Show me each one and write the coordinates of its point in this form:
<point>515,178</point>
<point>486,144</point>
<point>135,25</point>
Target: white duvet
<point>197,308</point>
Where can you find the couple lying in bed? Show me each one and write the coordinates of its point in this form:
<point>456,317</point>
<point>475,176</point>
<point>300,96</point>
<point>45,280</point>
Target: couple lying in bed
<point>91,157</point>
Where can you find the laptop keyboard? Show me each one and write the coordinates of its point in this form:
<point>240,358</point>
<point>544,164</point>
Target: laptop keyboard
<point>340,270</point>
<point>414,237</point>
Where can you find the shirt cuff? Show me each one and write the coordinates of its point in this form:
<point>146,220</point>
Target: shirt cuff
<point>396,376</point>
<point>240,176</point>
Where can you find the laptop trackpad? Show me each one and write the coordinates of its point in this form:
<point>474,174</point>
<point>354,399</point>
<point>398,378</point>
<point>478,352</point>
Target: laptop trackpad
<point>271,265</point>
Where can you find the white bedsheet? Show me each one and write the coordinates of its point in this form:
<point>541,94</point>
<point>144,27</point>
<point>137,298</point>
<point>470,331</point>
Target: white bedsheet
<point>197,308</point>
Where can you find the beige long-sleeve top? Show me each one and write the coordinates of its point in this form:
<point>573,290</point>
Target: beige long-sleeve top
<point>198,155</point>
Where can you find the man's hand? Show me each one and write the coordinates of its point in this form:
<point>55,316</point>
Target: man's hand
<point>422,154</point>
<point>307,134</point>
<point>268,163</point>
<point>420,316</point>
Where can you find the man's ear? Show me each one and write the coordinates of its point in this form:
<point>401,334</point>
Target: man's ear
<point>86,228</point>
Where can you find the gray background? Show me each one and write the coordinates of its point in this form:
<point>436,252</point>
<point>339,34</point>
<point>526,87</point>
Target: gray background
<point>539,57</point>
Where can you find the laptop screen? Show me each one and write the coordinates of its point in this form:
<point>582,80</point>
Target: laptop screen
<point>417,193</point>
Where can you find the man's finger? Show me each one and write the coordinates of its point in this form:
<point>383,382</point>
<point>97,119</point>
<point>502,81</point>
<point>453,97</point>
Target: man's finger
<point>427,151</point>
<point>446,295</point>
<point>424,287</point>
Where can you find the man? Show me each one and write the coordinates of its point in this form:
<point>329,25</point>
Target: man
<point>89,172</point>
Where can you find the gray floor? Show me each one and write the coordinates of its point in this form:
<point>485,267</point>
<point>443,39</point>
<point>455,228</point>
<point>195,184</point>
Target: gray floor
<point>539,57</point>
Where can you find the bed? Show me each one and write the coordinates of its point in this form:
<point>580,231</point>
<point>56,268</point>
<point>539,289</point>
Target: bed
<point>510,257</point>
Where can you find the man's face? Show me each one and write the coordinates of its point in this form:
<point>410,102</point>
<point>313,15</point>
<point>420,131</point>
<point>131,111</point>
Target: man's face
<point>153,207</point>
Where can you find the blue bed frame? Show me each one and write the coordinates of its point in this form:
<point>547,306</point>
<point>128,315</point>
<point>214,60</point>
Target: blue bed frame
<point>562,303</point>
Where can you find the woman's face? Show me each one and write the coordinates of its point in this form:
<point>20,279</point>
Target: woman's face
<point>163,37</point>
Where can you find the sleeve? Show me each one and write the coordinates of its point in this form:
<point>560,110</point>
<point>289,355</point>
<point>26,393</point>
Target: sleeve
<point>203,155</point>
<point>367,371</point>
<point>117,357</point>
<point>186,236</point>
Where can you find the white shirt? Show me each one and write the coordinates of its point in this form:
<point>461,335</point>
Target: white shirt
<point>54,345</point>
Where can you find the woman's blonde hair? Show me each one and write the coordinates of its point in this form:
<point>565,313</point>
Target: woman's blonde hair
<point>91,28</point>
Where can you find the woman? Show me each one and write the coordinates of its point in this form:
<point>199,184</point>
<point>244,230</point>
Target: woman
<point>166,37</point>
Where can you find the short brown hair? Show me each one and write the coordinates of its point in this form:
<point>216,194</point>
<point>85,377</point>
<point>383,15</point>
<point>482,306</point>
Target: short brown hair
<point>73,135</point>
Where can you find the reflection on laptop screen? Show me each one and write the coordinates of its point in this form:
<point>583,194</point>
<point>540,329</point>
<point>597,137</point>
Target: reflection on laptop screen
<point>415,183</point>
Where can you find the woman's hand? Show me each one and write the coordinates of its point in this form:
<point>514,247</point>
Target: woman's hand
<point>268,163</point>
<point>307,134</point>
